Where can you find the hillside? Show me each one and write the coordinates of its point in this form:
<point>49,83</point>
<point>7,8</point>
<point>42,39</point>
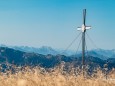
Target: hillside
<point>44,50</point>
<point>16,57</point>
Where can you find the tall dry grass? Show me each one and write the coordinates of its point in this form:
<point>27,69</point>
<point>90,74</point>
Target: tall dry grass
<point>54,77</point>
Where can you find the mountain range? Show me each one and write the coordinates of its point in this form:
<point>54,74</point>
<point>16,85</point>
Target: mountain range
<point>21,58</point>
<point>41,50</point>
<point>100,53</point>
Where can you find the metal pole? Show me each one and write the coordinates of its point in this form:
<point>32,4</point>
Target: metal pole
<point>83,53</point>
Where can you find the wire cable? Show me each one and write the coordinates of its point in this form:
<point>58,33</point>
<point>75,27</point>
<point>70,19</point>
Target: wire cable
<point>92,41</point>
<point>71,43</point>
<point>78,47</point>
<point>66,49</point>
<point>86,49</point>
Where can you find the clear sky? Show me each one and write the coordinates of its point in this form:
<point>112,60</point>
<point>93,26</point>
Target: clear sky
<point>54,22</point>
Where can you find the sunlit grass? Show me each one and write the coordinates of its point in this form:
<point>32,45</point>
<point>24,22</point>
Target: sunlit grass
<point>38,76</point>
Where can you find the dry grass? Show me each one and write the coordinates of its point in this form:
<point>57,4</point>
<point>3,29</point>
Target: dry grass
<point>54,77</point>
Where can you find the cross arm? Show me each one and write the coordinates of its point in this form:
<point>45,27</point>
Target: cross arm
<point>78,28</point>
<point>88,27</point>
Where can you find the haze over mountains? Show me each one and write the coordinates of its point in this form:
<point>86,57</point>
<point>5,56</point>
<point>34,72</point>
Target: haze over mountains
<point>100,53</point>
<point>42,50</point>
<point>17,57</point>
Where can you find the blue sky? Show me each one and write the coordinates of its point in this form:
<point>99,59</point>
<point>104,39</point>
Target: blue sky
<point>54,22</point>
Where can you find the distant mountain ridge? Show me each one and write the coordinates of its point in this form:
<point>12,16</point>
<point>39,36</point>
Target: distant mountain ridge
<point>100,53</point>
<point>103,54</point>
<point>41,50</point>
<point>12,56</point>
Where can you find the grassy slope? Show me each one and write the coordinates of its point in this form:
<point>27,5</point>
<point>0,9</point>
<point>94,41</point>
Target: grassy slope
<point>55,77</point>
